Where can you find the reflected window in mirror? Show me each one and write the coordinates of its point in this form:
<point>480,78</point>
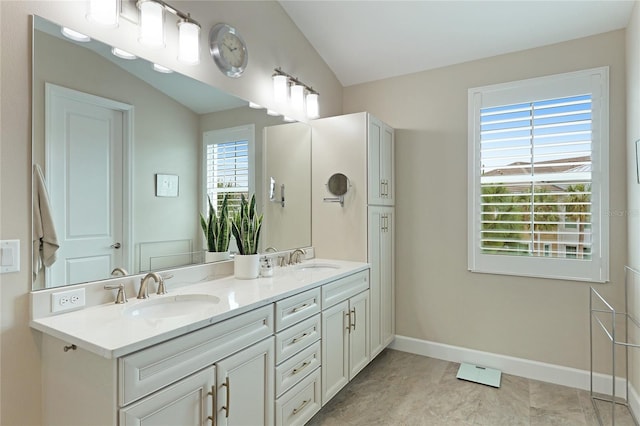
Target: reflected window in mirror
<point>229,160</point>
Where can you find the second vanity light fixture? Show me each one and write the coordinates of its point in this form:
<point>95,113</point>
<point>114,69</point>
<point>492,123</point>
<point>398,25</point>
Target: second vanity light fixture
<point>106,12</point>
<point>300,93</point>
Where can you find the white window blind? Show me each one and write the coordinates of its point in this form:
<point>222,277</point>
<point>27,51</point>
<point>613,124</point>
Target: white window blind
<point>228,160</point>
<point>538,166</point>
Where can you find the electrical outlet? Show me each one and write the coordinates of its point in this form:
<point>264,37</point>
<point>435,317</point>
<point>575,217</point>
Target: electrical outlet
<point>67,300</point>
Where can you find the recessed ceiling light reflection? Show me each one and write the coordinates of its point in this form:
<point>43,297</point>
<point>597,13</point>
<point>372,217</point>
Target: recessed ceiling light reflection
<point>162,69</point>
<point>75,35</point>
<point>123,54</point>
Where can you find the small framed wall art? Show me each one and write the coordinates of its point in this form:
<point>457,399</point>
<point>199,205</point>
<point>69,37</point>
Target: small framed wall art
<point>166,185</point>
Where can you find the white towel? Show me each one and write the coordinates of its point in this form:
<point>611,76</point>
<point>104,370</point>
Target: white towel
<point>45,240</point>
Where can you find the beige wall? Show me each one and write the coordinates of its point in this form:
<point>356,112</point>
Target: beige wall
<point>437,299</point>
<point>633,188</point>
<point>277,44</point>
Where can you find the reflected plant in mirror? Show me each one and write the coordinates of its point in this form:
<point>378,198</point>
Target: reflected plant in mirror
<point>130,123</point>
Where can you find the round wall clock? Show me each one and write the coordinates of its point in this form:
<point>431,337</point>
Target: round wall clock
<point>228,50</point>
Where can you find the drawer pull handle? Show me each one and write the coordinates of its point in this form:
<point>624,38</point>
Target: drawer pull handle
<point>212,417</point>
<point>302,367</point>
<point>301,307</point>
<point>299,338</point>
<point>348,315</point>
<point>304,404</point>
<point>226,408</point>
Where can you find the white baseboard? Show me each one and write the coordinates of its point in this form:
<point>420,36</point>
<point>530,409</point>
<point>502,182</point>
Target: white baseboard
<point>529,369</point>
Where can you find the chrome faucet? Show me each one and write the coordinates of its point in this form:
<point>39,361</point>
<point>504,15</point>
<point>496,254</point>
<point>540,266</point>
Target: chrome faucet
<point>295,256</point>
<point>271,249</point>
<point>143,292</point>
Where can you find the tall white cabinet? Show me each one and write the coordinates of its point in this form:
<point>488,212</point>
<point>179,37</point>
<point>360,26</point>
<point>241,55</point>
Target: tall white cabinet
<point>361,147</point>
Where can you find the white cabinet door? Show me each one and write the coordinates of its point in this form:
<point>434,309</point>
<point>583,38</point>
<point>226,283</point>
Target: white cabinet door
<point>381,258</point>
<point>345,343</point>
<point>358,333</point>
<point>186,403</point>
<point>245,387</point>
<point>335,350</point>
<point>380,149</point>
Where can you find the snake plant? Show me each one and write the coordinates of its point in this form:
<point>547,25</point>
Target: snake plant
<point>216,227</point>
<point>245,225</point>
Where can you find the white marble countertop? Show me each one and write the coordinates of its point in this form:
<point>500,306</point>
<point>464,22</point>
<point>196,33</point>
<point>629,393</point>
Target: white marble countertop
<point>108,331</point>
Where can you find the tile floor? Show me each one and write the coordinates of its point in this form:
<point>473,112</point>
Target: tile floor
<point>400,388</point>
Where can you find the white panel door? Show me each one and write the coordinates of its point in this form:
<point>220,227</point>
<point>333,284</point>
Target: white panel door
<point>84,174</point>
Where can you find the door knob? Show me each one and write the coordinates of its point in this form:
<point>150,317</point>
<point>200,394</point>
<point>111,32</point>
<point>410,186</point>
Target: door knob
<point>116,245</point>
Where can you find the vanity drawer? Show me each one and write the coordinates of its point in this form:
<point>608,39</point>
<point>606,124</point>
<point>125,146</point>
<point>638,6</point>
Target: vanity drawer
<point>297,367</point>
<point>344,288</point>
<point>296,308</point>
<point>297,337</point>
<point>150,369</point>
<point>300,403</point>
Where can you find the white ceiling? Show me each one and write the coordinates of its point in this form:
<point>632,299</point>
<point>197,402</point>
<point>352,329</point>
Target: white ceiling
<point>370,40</point>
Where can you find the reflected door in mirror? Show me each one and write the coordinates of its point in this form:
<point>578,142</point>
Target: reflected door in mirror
<point>84,169</point>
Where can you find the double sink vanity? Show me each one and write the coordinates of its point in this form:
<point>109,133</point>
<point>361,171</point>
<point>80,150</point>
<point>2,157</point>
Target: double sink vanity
<point>218,351</point>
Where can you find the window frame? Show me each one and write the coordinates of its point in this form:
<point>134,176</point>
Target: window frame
<point>594,81</point>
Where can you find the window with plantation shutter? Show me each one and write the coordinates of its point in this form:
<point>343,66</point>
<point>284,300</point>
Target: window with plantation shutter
<point>538,177</point>
<point>228,164</point>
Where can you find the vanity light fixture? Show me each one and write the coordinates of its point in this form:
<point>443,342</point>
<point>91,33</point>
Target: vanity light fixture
<point>123,54</point>
<point>255,105</point>
<point>313,109</point>
<point>75,35</point>
<point>104,12</point>
<point>151,23</point>
<point>188,41</point>
<point>300,92</point>
<point>288,119</point>
<point>272,113</point>
<point>297,96</point>
<point>152,29</point>
<point>280,88</point>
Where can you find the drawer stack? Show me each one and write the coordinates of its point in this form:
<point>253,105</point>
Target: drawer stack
<point>298,358</point>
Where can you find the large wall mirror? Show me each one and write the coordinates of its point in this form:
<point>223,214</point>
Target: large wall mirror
<point>121,151</point>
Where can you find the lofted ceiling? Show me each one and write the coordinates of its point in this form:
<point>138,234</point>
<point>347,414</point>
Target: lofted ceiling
<point>364,41</point>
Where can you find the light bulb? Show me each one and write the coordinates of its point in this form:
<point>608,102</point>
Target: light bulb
<point>313,110</point>
<point>297,96</point>
<point>188,42</point>
<point>280,87</point>
<point>151,23</point>
<point>104,12</point>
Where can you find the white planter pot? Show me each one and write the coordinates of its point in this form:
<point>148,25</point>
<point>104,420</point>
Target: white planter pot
<point>216,256</point>
<point>246,267</point>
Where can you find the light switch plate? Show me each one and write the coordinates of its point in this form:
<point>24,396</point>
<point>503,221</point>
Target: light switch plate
<point>9,256</point>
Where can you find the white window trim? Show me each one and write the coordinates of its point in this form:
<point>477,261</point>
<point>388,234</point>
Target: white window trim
<point>595,81</point>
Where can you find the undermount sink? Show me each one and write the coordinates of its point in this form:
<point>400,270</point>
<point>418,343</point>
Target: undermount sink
<point>171,306</point>
<point>316,266</point>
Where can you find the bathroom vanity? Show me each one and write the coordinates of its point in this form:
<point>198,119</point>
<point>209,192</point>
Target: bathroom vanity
<point>224,351</point>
